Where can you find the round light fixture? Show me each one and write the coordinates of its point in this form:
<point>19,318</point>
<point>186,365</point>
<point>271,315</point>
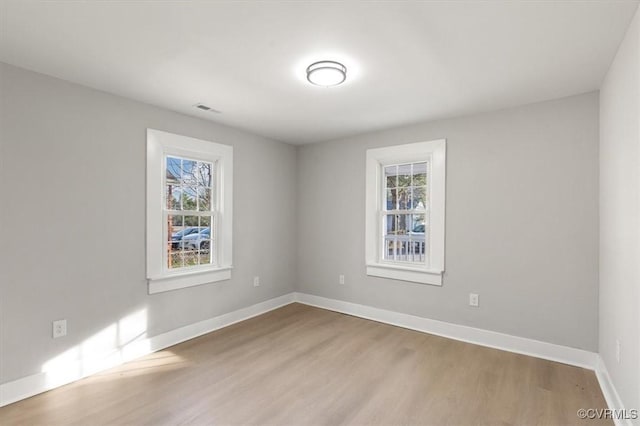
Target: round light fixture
<point>326,73</point>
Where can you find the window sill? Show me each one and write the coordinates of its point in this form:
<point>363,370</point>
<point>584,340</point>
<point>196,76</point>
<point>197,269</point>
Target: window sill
<point>188,279</point>
<point>405,273</point>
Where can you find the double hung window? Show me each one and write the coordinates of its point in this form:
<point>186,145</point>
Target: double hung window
<point>405,212</point>
<point>189,211</point>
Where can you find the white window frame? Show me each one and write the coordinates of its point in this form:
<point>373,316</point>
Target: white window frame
<point>160,145</point>
<point>434,152</point>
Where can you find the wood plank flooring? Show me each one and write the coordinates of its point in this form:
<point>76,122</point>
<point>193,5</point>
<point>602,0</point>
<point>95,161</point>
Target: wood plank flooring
<point>300,365</point>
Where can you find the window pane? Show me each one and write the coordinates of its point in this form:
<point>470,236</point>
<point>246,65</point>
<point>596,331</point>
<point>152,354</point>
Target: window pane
<point>403,224</point>
<point>174,170</point>
<point>419,174</point>
<point>419,197</point>
<point>204,255</point>
<point>389,248</point>
<point>418,222</point>
<point>404,198</point>
<point>203,174</point>
<point>189,172</point>
<point>190,257</point>
<point>176,259</point>
<point>173,196</point>
<point>390,224</point>
<point>403,250</point>
<point>418,250</point>
<point>204,199</point>
<point>404,175</point>
<point>205,221</point>
<point>418,238</point>
<point>391,176</point>
<point>173,225</point>
<point>189,198</point>
<point>177,221</point>
<point>191,221</point>
<point>398,224</point>
<point>392,199</point>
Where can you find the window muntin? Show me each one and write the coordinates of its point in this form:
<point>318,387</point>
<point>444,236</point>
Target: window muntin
<point>189,212</point>
<point>404,213</point>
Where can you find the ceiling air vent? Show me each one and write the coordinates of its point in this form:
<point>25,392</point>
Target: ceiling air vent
<point>204,107</point>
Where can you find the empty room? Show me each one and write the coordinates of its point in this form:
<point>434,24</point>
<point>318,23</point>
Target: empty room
<point>320,212</point>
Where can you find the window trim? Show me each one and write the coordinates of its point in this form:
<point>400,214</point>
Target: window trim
<point>159,145</point>
<point>435,153</point>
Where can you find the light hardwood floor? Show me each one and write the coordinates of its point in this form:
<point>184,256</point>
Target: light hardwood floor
<point>301,365</point>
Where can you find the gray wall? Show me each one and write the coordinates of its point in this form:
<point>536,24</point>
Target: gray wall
<point>521,222</point>
<point>620,218</point>
<point>72,218</point>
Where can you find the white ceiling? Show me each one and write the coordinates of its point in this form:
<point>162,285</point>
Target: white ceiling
<point>407,61</point>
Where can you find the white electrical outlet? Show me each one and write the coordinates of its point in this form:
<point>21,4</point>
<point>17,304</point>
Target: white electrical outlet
<point>618,351</point>
<point>59,328</point>
<point>256,281</point>
<point>474,300</point>
<point>341,279</point>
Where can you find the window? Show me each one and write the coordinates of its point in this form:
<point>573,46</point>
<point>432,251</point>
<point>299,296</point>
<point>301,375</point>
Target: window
<point>189,211</point>
<point>405,212</point>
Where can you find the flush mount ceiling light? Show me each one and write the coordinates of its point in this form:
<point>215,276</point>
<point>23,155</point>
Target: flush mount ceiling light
<point>326,73</point>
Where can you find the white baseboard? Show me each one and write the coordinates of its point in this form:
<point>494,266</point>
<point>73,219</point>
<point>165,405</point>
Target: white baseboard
<point>492,339</point>
<point>610,393</point>
<point>32,385</point>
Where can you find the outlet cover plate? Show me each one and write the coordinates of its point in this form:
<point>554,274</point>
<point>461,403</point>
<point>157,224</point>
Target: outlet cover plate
<point>59,328</point>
